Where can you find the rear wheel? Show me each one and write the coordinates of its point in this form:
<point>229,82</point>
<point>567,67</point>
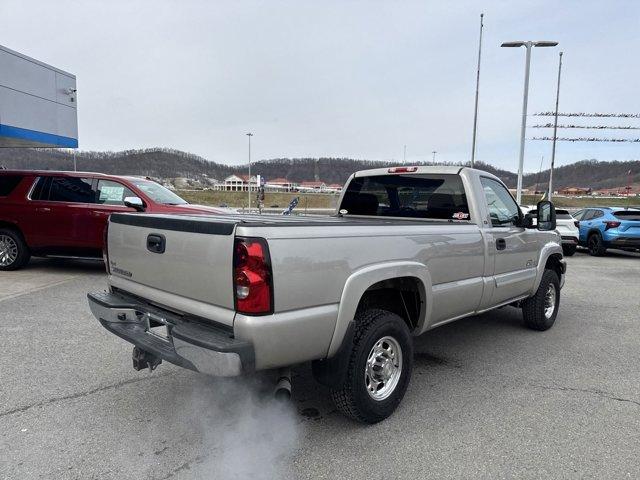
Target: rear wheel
<point>379,367</point>
<point>596,245</point>
<point>539,311</point>
<point>569,250</point>
<point>14,252</point>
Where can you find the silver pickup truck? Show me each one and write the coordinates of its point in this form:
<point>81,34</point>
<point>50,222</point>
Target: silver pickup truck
<point>408,249</point>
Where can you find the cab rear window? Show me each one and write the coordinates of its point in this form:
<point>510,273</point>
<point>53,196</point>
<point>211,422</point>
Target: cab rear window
<point>419,196</point>
<point>8,183</point>
<point>627,215</point>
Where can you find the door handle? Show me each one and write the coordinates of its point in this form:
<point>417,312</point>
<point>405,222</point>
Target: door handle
<point>156,243</point>
<point>43,209</point>
<point>501,244</point>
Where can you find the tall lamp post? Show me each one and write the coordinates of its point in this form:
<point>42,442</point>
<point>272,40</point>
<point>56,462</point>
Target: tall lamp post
<point>249,182</point>
<point>475,111</point>
<point>555,130</point>
<point>434,156</point>
<point>525,99</point>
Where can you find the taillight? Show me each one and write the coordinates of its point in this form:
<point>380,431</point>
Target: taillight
<point>252,278</point>
<point>611,224</point>
<point>402,169</point>
<point>105,251</point>
<point>577,224</point>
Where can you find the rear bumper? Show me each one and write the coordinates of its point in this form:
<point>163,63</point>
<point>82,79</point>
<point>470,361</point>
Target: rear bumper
<point>624,242</point>
<point>189,344</point>
<point>569,240</point>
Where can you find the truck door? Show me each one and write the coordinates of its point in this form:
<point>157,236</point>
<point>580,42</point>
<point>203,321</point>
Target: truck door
<point>513,249</point>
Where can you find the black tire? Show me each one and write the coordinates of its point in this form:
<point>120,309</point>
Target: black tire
<point>569,250</point>
<point>596,245</point>
<point>19,251</point>
<point>353,398</point>
<point>534,308</point>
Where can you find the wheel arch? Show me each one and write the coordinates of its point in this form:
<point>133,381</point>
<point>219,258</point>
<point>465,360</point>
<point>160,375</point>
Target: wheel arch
<point>550,255</point>
<point>12,226</point>
<point>388,274</point>
<point>593,231</point>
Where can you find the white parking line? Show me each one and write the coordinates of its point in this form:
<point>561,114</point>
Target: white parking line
<point>19,287</point>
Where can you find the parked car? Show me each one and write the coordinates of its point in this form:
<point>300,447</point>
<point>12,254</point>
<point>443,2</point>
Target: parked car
<point>47,213</point>
<point>609,227</point>
<point>407,250</point>
<point>566,226</point>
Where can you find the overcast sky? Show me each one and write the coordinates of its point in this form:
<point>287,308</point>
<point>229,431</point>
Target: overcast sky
<point>334,78</point>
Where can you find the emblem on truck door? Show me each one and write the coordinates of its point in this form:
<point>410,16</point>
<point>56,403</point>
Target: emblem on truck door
<point>119,271</point>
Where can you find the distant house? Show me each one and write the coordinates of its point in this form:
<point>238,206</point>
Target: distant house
<point>280,185</point>
<point>237,183</point>
<point>314,187</point>
<point>575,191</point>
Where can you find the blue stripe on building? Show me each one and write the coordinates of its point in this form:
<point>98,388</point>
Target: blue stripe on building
<point>46,139</point>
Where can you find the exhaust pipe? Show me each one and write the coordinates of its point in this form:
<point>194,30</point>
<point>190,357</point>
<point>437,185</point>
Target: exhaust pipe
<point>283,385</point>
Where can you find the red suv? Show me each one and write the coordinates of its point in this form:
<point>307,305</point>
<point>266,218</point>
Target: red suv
<point>64,214</point>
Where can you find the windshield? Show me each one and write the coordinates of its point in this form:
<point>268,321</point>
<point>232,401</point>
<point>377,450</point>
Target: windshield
<point>158,193</point>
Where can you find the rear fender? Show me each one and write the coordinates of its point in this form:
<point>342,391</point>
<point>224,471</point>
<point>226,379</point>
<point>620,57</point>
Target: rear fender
<point>362,279</point>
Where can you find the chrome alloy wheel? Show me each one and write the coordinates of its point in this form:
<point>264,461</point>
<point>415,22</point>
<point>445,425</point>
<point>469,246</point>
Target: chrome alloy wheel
<point>8,250</point>
<point>550,301</point>
<point>384,368</point>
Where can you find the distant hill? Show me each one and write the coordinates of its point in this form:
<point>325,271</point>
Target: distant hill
<point>167,163</point>
<point>587,173</point>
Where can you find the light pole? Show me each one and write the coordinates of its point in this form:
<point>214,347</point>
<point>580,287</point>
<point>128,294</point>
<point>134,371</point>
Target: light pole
<point>434,156</point>
<point>555,130</point>
<point>249,180</point>
<point>404,155</point>
<point>475,112</point>
<point>525,98</point>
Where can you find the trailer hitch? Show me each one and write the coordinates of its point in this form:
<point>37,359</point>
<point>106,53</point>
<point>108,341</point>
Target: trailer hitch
<point>143,359</point>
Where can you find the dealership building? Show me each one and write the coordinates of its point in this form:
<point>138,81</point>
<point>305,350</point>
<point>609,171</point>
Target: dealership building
<point>38,103</point>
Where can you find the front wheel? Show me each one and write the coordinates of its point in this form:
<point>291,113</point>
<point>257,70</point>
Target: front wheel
<point>539,311</point>
<point>14,252</point>
<point>379,367</point>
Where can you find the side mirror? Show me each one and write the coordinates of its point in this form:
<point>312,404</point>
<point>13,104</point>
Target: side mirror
<point>134,202</point>
<point>527,221</point>
<point>546,215</point>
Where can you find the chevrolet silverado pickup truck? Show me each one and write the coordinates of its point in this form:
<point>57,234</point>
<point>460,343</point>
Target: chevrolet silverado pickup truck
<point>407,250</point>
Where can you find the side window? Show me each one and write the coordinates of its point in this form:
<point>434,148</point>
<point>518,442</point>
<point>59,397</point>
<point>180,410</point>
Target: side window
<point>112,193</point>
<point>597,214</point>
<point>8,183</point>
<point>41,189</point>
<point>588,215</point>
<point>72,189</point>
<point>503,209</point>
<point>578,215</point>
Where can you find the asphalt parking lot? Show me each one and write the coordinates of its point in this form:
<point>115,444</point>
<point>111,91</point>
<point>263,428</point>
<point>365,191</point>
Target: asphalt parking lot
<point>488,399</point>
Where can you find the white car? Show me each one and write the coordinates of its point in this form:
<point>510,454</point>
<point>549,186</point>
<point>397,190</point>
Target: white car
<point>566,226</point>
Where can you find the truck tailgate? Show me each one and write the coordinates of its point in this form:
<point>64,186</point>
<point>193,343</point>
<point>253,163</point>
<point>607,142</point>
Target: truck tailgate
<point>181,262</point>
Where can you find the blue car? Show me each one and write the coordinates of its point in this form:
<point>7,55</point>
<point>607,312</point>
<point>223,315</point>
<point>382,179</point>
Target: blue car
<point>604,227</point>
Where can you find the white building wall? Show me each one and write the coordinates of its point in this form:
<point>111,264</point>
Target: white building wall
<point>38,103</point>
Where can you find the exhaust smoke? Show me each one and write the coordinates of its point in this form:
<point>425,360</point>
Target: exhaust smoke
<point>246,432</point>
